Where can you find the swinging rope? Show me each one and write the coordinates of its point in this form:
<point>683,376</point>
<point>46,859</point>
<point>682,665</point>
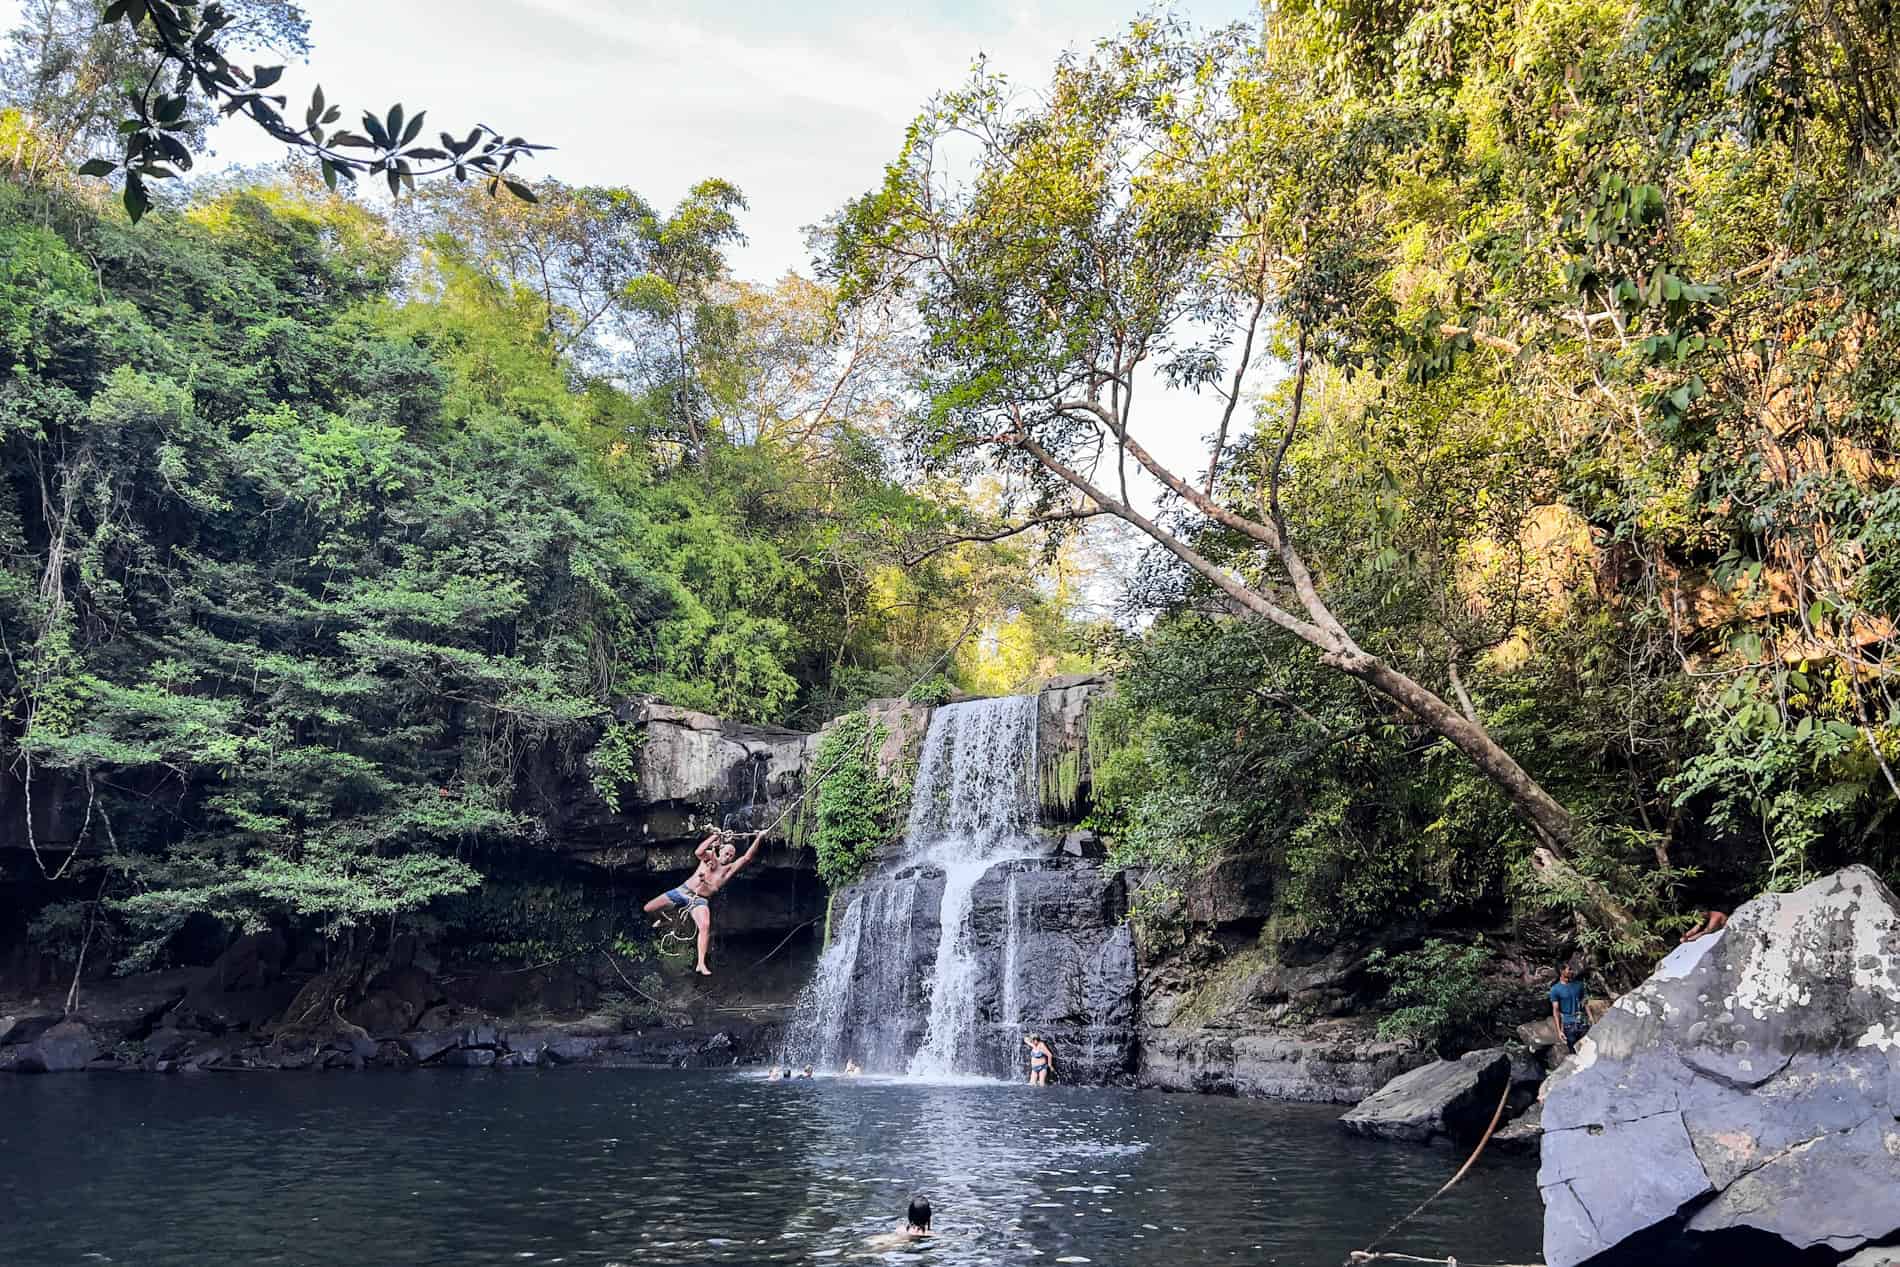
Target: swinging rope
<point>1361,1256</point>
<point>1367,1255</point>
<point>817,782</point>
<point>677,941</point>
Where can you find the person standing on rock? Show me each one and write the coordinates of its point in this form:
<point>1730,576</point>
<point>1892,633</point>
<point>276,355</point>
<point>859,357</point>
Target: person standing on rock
<point>1566,1006</point>
<point>719,861</point>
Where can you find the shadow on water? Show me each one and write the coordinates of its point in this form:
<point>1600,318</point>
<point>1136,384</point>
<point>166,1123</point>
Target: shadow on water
<point>639,1167</point>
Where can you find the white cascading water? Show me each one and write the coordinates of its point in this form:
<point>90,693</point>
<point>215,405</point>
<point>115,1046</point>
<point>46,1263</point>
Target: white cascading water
<point>974,805</point>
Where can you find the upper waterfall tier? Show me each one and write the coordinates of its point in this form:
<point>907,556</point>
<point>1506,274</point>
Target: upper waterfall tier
<point>975,778</point>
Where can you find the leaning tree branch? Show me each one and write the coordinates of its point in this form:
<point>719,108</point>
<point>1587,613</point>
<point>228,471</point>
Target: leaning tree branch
<point>1001,534</point>
<point>1551,822</point>
<point>1247,597</point>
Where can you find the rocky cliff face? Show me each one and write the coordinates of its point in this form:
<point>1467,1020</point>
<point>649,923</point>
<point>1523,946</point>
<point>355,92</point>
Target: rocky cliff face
<point>1051,953</point>
<point>1055,951</point>
<point>696,771</point>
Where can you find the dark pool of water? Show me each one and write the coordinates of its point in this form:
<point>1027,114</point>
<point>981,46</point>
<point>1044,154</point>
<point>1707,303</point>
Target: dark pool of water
<point>682,1169</point>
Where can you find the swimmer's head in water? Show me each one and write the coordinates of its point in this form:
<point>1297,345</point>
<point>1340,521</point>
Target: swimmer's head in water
<point>918,1216</point>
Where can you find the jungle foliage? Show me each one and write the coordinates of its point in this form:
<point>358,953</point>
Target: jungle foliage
<point>1570,530</point>
<point>320,526</point>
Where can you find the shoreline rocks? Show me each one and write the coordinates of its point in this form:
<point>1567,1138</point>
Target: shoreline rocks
<point>1341,1067</point>
<point>71,1047</point>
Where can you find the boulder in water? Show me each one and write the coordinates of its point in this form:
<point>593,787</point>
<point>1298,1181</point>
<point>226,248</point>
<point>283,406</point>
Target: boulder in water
<point>1450,1100</point>
<point>1521,1134</point>
<point>1740,1105</point>
<point>63,1048</point>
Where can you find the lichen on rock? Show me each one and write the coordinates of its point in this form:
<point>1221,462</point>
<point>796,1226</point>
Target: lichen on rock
<point>1748,1088</point>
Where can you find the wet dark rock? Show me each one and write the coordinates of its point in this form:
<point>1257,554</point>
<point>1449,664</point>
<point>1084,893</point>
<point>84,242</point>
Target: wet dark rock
<point>1522,1133</point>
<point>1051,950</point>
<point>470,1057</point>
<point>297,1058</point>
<point>576,1050</point>
<point>1746,1092</point>
<point>169,1043</point>
<point>1448,1100</point>
<point>1238,889</point>
<point>483,1034</point>
<point>25,1029</point>
<point>1057,957</point>
<point>207,1057</point>
<point>66,1047</point>
<point>1324,1065</point>
<point>429,1045</point>
<point>246,987</point>
<point>1527,1079</point>
<point>396,1000</point>
<point>1084,844</point>
<point>444,1017</point>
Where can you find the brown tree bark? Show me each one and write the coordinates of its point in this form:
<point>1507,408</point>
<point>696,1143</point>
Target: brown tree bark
<point>1315,624</point>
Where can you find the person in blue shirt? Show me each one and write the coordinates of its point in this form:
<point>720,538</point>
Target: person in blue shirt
<point>1566,1006</point>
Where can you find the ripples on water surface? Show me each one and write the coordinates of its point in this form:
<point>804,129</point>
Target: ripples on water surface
<point>636,1167</point>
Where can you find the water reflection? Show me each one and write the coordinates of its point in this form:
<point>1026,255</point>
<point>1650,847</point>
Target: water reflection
<point>661,1168</point>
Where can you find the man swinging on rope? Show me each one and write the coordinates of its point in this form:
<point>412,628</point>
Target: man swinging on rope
<point>719,861</point>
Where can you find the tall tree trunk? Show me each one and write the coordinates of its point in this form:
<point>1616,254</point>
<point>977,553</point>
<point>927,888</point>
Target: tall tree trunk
<point>1321,629</point>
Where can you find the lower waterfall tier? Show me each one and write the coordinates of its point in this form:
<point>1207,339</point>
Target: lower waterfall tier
<point>1045,947</point>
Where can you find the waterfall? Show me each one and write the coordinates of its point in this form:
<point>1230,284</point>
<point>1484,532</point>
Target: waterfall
<point>974,805</point>
<point>817,1030</point>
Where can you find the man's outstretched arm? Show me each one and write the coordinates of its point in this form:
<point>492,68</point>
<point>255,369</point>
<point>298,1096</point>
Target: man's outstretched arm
<point>739,863</point>
<point>708,848</point>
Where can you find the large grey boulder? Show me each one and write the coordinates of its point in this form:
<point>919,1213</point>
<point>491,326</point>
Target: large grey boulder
<point>63,1048</point>
<point>1449,1100</point>
<point>699,759</point>
<point>1744,1095</point>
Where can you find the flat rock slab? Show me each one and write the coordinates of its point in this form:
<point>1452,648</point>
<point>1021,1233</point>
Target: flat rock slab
<point>1448,1099</point>
<point>1748,1090</point>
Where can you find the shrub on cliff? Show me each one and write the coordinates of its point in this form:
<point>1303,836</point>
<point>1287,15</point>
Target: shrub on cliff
<point>851,809</point>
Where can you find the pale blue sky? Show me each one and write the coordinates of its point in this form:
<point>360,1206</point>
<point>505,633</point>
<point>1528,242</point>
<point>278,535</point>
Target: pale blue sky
<point>800,105</point>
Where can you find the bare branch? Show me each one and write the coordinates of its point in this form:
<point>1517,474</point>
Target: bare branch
<point>1286,438</point>
<point>1240,372</point>
<point>1040,521</point>
<point>1248,598</point>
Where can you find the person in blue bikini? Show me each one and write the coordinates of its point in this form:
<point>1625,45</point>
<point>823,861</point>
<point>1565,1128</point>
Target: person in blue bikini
<point>1041,1060</point>
<point>719,861</point>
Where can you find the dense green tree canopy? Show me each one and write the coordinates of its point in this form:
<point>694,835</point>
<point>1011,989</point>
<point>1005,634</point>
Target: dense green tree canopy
<point>316,533</point>
<point>1551,571</point>
<point>1584,464</point>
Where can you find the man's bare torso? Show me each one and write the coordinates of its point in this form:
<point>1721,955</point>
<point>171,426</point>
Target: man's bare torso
<point>709,879</point>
